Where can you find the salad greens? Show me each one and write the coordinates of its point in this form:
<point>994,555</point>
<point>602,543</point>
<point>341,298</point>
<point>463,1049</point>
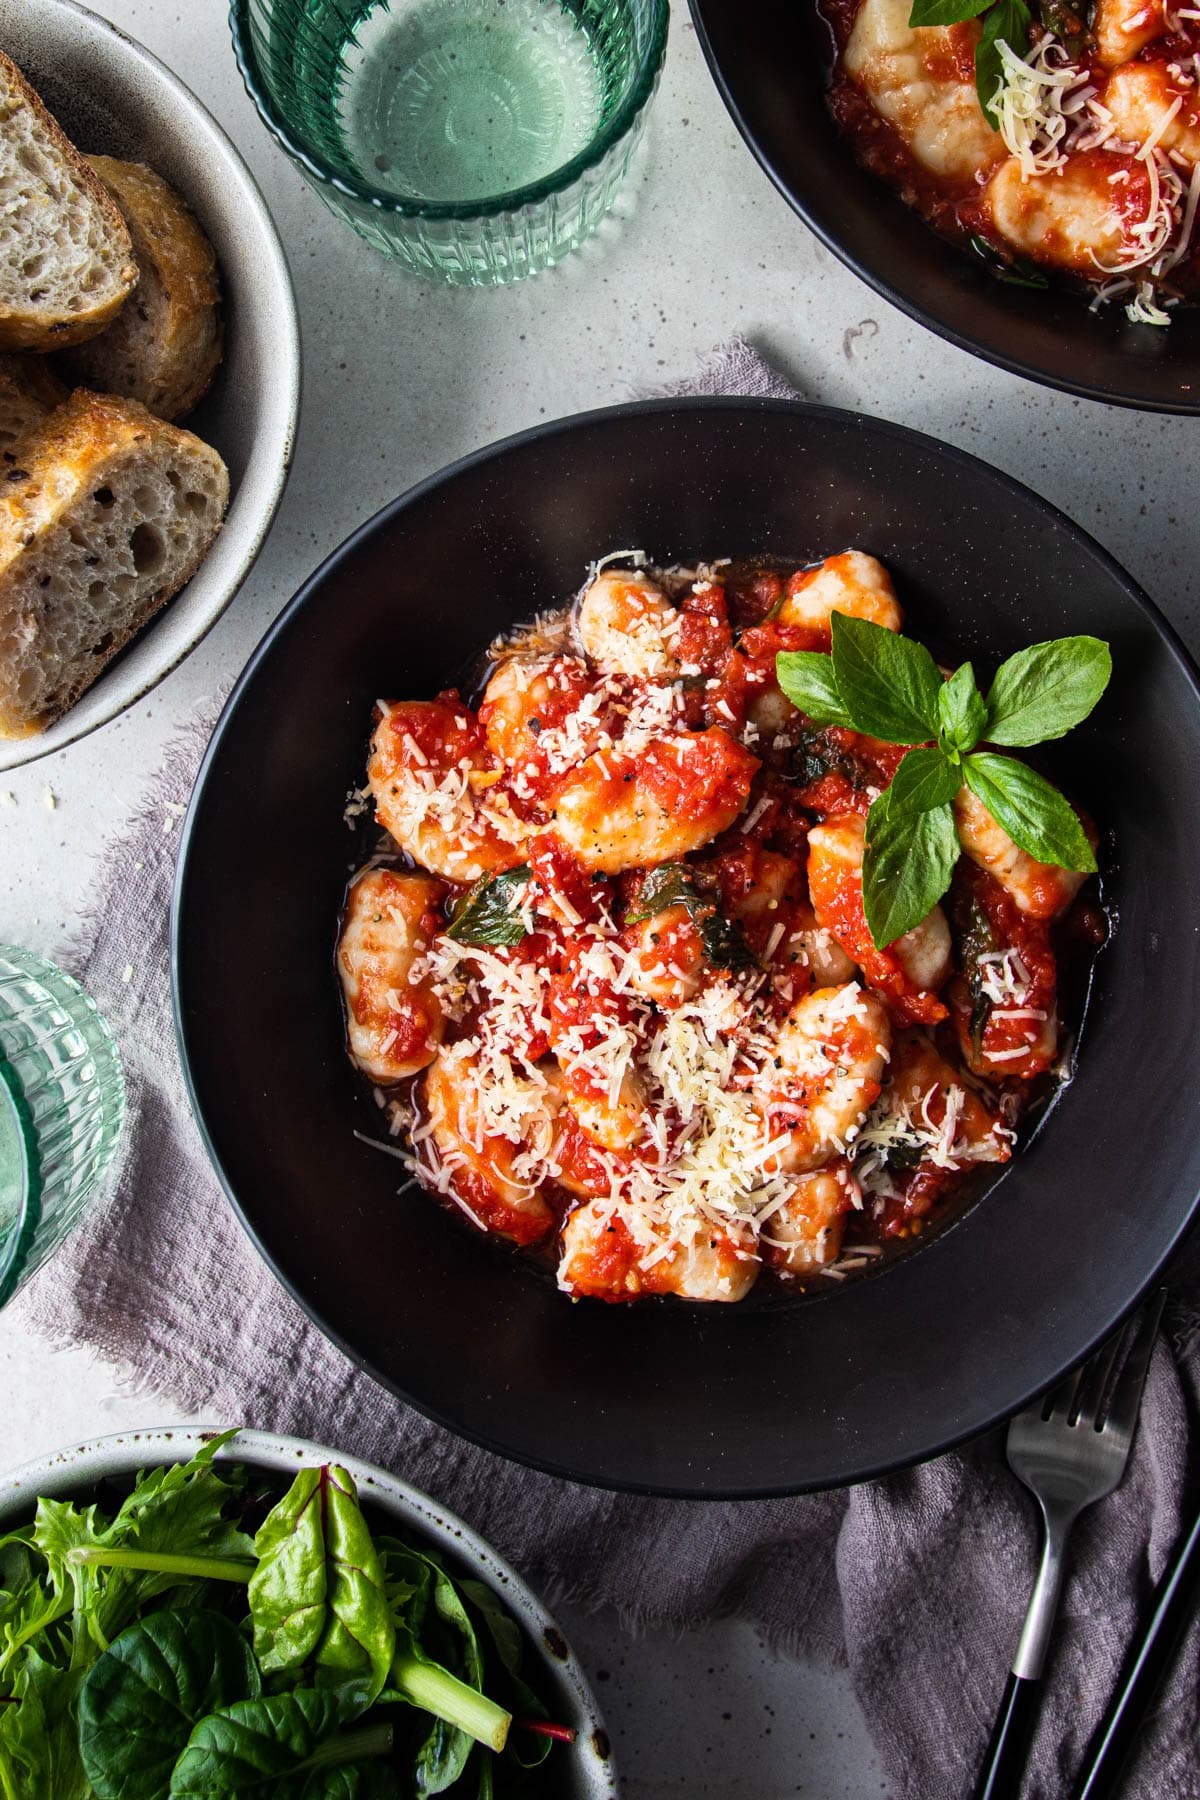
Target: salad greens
<point>162,1651</point>
<point>889,687</point>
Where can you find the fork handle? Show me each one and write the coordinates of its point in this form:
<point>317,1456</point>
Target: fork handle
<point>1008,1749</point>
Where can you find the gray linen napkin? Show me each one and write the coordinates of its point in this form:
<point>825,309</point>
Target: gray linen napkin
<point>918,1581</point>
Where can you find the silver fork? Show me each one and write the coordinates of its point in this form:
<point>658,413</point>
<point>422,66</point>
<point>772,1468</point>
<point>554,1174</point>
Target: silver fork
<point>1070,1449</point>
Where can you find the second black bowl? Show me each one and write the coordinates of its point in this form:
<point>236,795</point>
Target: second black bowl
<point>771,62</point>
<point>758,1397</point>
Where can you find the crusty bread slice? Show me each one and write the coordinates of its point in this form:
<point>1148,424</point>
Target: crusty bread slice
<point>110,513</point>
<point>29,389</point>
<point>66,262</point>
<point>163,347</point>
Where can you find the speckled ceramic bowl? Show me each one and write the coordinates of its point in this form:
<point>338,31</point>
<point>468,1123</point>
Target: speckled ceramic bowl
<point>112,96</point>
<point>583,1772</point>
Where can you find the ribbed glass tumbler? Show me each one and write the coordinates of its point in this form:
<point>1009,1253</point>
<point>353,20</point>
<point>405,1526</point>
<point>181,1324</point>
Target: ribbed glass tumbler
<point>62,1104</point>
<point>476,141</point>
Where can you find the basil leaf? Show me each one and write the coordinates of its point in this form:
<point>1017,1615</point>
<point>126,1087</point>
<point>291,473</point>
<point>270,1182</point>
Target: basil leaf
<point>907,865</point>
<point>724,945</point>
<point>924,779</point>
<point>807,679</point>
<point>961,709</point>
<point>671,884</point>
<point>945,12</point>
<point>488,912</point>
<point>1006,21</point>
<point>1017,271</point>
<point>674,884</point>
<point>141,1700</point>
<point>1033,813</point>
<point>269,1747</point>
<point>39,1749</point>
<point>318,1590</point>
<point>978,940</point>
<point>1045,691</point>
<point>889,684</point>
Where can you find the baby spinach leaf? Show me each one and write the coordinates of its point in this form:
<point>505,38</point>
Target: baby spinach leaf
<point>489,911</point>
<point>889,684</point>
<point>286,1746</point>
<point>141,1700</point>
<point>1045,691</point>
<point>961,710</point>
<point>318,1590</point>
<point>808,680</point>
<point>526,1748</point>
<point>907,865</point>
<point>1030,809</point>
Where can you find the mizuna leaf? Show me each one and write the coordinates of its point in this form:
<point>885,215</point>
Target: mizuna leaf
<point>1030,809</point>
<point>1045,691</point>
<point>807,679</point>
<point>907,865</point>
<point>888,684</point>
<point>961,709</point>
<point>142,1699</point>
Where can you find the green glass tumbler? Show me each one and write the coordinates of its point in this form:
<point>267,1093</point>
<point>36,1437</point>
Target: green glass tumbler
<point>62,1104</point>
<point>476,141</point>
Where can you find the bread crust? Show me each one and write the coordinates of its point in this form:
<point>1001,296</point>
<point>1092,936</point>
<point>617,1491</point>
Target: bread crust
<point>165,361</point>
<point>38,328</point>
<point>62,463</point>
<point>29,389</point>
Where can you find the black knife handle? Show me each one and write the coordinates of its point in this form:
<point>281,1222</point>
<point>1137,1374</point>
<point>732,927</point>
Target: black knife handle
<point>1008,1750</point>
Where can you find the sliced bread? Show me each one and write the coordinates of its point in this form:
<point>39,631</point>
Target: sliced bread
<point>164,346</point>
<point>29,389</point>
<point>66,261</point>
<point>107,517</point>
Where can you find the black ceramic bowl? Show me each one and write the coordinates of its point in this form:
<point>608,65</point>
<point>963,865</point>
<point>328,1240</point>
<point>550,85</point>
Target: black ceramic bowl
<point>775,1394</point>
<point>771,63</point>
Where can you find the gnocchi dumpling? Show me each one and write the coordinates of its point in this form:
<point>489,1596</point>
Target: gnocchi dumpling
<point>920,82</point>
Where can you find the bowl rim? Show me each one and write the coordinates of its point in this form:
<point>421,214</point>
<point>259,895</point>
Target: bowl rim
<point>270,464</point>
<point>488,207</point>
<point>943,328</point>
<point>131,1451</point>
<point>345,551</point>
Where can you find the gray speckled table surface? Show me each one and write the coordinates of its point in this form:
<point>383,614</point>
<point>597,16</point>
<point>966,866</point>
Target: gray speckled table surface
<point>401,378</point>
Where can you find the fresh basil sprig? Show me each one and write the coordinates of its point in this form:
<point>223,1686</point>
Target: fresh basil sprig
<point>889,687</point>
<point>1004,21</point>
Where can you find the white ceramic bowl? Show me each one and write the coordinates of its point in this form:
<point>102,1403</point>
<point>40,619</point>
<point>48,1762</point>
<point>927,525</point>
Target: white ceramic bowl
<point>112,96</point>
<point>584,1771</point>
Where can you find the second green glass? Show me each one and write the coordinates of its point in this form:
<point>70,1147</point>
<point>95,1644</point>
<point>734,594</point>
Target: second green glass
<point>62,1104</point>
<point>477,141</point>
